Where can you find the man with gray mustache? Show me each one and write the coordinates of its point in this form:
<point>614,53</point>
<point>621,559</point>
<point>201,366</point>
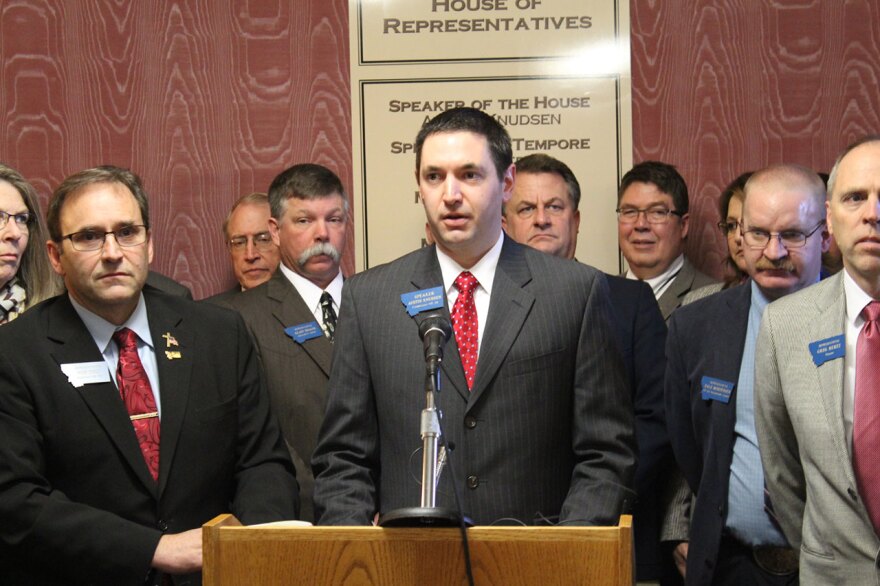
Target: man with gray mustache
<point>292,317</point>
<point>710,384</point>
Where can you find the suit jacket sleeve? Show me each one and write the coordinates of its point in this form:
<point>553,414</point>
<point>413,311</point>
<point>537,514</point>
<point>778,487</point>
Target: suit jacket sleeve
<point>780,456</point>
<point>603,437</point>
<point>677,391</point>
<point>266,488</point>
<point>39,522</point>
<point>346,459</point>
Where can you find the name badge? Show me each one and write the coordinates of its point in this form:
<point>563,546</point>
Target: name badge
<point>304,332</point>
<point>715,389</point>
<point>828,349</point>
<point>86,373</point>
<point>424,300</point>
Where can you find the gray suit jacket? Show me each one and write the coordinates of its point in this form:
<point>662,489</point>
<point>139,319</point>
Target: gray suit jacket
<point>546,432</point>
<point>688,279</point>
<point>296,374</point>
<point>807,459</point>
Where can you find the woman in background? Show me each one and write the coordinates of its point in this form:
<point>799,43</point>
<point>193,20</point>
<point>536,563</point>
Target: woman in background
<point>25,275</point>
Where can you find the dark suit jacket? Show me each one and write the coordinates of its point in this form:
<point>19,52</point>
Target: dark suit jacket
<point>688,279</point>
<point>547,430</point>
<point>168,285</point>
<point>223,299</point>
<point>77,501</point>
<point>706,338</point>
<point>641,333</point>
<point>296,374</point>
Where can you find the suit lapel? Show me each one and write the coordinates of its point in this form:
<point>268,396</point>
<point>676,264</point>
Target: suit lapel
<point>831,322</point>
<point>509,306</point>
<point>426,275</point>
<point>173,342</point>
<point>290,310</point>
<point>103,400</point>
<point>680,285</point>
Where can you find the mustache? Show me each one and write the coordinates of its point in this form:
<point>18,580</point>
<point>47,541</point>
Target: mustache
<point>321,248</point>
<point>785,264</point>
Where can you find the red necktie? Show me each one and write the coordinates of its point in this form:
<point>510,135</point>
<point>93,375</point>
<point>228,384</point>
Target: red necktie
<point>134,386</point>
<point>465,325</point>
<point>866,413</point>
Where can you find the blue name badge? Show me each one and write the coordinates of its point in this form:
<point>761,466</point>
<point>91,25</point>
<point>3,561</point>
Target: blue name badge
<point>304,332</point>
<point>828,349</point>
<point>424,300</point>
<point>715,389</point>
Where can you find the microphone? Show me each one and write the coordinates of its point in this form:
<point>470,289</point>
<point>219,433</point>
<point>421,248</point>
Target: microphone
<point>434,331</point>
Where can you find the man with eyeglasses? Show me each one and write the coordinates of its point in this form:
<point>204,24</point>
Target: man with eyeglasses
<point>652,224</point>
<point>128,417</point>
<point>253,254</point>
<point>711,384</point>
<point>818,412</point>
<point>292,317</point>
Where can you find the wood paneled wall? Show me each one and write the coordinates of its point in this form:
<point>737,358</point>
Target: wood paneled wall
<point>205,99</point>
<point>725,86</point>
<point>210,99</point>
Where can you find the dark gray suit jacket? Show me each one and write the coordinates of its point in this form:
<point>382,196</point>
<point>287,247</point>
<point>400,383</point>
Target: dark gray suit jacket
<point>688,279</point>
<point>296,374</point>
<point>546,432</point>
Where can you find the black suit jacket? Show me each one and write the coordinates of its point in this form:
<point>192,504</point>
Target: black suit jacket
<point>545,432</point>
<point>706,338</point>
<point>296,373</point>
<point>77,501</point>
<point>641,333</point>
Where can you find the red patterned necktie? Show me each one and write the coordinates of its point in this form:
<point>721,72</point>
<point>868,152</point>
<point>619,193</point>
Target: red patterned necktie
<point>866,413</point>
<point>134,386</point>
<point>465,325</point>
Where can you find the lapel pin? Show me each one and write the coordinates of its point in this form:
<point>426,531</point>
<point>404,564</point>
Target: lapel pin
<point>170,341</point>
<point>171,355</point>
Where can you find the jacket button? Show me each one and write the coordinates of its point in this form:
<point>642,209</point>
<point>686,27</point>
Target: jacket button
<point>162,525</point>
<point>470,422</point>
<point>473,481</point>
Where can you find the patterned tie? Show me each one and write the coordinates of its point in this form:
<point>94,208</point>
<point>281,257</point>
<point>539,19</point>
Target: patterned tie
<point>329,315</point>
<point>866,413</point>
<point>134,386</point>
<point>465,325</point>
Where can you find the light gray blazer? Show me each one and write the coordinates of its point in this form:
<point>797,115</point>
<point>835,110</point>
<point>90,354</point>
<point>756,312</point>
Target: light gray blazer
<point>807,459</point>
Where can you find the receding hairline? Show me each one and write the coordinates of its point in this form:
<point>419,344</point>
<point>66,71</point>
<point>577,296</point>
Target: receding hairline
<point>789,177</point>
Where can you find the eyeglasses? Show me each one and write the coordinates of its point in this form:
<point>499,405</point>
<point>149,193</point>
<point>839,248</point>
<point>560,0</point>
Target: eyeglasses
<point>728,226</point>
<point>262,242</point>
<point>21,220</point>
<point>658,215</point>
<point>89,240</point>
<point>759,239</point>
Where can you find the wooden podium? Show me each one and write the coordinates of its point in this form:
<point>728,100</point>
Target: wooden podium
<point>546,556</point>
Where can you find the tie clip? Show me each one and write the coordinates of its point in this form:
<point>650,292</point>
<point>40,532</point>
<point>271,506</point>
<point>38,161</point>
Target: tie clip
<point>144,416</point>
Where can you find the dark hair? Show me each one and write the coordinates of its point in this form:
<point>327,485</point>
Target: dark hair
<point>543,163</point>
<point>304,181</point>
<point>664,176</point>
<point>250,198</point>
<point>470,120</point>
<point>102,174</point>
<point>34,272</point>
<point>832,177</point>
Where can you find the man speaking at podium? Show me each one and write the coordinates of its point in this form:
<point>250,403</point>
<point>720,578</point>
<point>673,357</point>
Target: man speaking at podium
<point>533,396</point>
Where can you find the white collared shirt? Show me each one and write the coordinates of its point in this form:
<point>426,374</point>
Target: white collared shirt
<point>661,282</point>
<point>311,293</point>
<point>484,271</point>
<point>102,332</point>
<point>856,300</point>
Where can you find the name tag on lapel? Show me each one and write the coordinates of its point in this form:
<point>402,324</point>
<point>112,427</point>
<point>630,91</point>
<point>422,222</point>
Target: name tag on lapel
<point>828,349</point>
<point>86,373</point>
<point>424,300</point>
<point>303,332</point>
<point>715,389</point>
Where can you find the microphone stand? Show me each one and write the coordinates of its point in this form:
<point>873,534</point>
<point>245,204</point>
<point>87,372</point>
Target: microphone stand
<point>428,514</point>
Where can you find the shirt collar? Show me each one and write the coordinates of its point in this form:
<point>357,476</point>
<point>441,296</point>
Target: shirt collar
<point>856,300</point>
<point>102,330</point>
<point>759,300</point>
<point>663,278</point>
<point>483,270</point>
<point>311,293</point>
